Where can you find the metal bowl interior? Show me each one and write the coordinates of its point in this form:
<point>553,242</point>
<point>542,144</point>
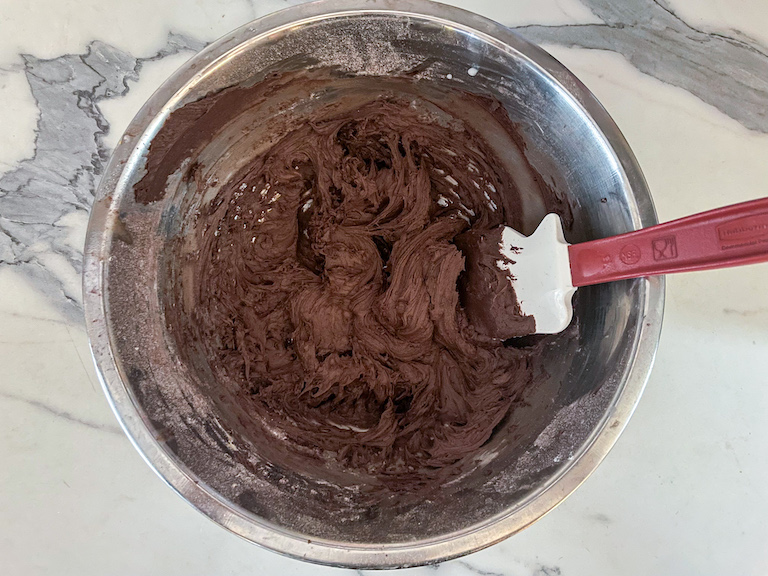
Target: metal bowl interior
<point>597,369</point>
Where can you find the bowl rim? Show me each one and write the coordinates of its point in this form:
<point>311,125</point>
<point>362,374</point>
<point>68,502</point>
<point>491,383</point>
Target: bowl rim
<point>490,531</point>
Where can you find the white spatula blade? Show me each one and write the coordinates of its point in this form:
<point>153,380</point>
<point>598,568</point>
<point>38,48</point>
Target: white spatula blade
<point>540,273</point>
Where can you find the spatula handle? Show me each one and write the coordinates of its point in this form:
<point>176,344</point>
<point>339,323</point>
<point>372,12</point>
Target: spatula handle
<point>729,236</point>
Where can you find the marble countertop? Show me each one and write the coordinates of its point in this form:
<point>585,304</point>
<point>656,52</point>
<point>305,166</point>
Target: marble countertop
<point>684,490</point>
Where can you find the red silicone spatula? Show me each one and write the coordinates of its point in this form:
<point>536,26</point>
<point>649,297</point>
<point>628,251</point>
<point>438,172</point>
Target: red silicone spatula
<point>544,270</point>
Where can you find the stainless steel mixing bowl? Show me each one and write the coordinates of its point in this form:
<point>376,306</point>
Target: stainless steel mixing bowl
<point>541,453</point>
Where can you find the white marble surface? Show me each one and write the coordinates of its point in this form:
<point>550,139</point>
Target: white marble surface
<point>683,492</point>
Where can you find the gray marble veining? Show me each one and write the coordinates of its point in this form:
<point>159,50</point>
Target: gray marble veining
<point>61,177</point>
<point>727,71</point>
<point>41,193</point>
<point>473,570</point>
<point>63,414</point>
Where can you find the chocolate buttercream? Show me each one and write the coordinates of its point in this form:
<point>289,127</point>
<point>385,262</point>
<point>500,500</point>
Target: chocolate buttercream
<point>487,295</point>
<point>326,291</point>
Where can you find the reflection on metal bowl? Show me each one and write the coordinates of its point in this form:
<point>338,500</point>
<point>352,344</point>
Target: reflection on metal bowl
<point>540,453</point>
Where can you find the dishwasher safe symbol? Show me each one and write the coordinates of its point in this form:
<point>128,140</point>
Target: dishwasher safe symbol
<point>664,248</point>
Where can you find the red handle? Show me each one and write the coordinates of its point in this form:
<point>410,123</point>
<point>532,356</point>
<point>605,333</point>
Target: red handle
<point>729,236</point>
